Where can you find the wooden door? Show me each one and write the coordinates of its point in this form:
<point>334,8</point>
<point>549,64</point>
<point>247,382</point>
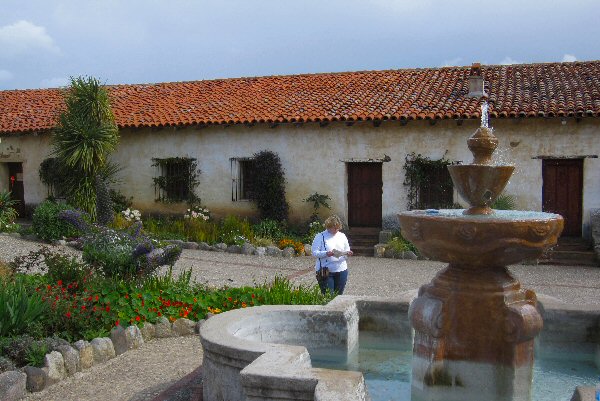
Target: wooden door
<point>15,186</point>
<point>365,187</point>
<point>562,192</point>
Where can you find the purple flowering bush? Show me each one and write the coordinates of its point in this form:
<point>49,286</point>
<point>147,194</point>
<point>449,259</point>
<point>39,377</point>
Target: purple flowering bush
<point>122,254</point>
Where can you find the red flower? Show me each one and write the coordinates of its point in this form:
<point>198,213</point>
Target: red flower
<point>159,314</point>
<point>117,323</point>
<point>59,282</point>
<point>253,295</point>
<point>82,307</point>
<point>96,298</point>
<point>107,308</point>
<point>68,314</point>
<point>229,299</point>
<point>137,318</point>
<point>126,296</point>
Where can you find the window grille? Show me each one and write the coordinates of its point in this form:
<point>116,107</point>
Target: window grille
<point>436,191</point>
<point>176,179</point>
<point>242,178</point>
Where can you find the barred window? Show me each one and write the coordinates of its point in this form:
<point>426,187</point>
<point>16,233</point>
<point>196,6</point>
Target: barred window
<point>242,178</point>
<point>436,191</point>
<point>176,179</point>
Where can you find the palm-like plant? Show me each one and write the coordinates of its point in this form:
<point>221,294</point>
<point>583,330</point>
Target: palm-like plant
<point>83,140</point>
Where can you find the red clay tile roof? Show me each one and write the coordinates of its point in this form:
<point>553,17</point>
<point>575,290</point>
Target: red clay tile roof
<point>524,90</point>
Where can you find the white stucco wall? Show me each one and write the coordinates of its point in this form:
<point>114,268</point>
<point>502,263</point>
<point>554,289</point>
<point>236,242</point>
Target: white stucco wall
<point>313,159</point>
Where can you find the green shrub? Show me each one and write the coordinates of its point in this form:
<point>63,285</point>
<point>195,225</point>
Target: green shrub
<point>318,200</point>
<point>283,292</point>
<point>48,226</point>
<point>56,266</point>
<point>119,201</point>
<point>235,230</point>
<point>200,230</point>
<point>265,242</point>
<point>269,190</point>
<point>314,228</point>
<point>399,244</point>
<point>20,307</point>
<point>505,202</point>
<point>34,355</point>
<point>165,228</point>
<point>7,211</point>
<point>269,228</point>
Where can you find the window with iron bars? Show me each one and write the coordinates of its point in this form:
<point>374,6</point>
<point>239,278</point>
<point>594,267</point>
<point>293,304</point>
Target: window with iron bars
<point>176,179</point>
<point>242,178</point>
<point>429,183</point>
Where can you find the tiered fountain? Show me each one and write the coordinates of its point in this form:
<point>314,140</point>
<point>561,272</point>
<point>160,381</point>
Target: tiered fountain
<point>474,324</point>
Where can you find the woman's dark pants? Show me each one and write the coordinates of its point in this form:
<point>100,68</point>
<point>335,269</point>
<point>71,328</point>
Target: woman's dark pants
<point>336,282</point>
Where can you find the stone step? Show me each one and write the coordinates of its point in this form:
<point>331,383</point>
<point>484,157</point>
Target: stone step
<point>363,239</point>
<point>363,250</point>
<point>570,258</point>
<point>571,251</point>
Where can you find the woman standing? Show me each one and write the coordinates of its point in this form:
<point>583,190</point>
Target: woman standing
<point>331,249</point>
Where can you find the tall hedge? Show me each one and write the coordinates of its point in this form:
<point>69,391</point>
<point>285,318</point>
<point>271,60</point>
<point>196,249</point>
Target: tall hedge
<point>269,191</point>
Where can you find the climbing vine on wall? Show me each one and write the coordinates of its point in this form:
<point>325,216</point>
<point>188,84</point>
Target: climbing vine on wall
<point>176,180</point>
<point>429,183</point>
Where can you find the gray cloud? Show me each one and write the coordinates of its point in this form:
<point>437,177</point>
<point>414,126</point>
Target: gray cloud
<point>25,38</point>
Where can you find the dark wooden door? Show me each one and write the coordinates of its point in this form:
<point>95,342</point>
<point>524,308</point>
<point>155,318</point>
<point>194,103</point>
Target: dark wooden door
<point>562,192</point>
<point>365,187</point>
<point>15,186</point>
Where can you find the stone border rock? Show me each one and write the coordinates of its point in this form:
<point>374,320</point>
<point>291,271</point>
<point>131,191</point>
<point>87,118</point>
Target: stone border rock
<point>67,360</point>
<point>382,251</point>
<point>246,249</point>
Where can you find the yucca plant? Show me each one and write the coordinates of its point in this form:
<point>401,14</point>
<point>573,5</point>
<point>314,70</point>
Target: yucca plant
<point>82,141</point>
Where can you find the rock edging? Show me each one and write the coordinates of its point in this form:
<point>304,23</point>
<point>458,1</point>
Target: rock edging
<point>66,360</point>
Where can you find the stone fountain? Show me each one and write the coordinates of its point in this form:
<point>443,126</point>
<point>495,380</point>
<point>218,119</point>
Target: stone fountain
<point>474,325</point>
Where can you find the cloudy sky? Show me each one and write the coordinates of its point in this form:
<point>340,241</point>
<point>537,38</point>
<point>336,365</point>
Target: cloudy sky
<point>44,42</point>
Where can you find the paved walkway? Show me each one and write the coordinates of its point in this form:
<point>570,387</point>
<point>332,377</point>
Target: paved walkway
<point>144,373</point>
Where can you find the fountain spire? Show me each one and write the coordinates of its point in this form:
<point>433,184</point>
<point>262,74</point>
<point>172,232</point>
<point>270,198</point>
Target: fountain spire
<point>480,182</point>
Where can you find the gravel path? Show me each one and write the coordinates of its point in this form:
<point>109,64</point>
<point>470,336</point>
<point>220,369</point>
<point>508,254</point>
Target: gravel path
<point>141,374</point>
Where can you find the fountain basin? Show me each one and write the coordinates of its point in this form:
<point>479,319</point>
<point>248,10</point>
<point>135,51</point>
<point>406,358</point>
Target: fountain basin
<point>268,351</point>
<point>475,241</point>
<point>480,184</point>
